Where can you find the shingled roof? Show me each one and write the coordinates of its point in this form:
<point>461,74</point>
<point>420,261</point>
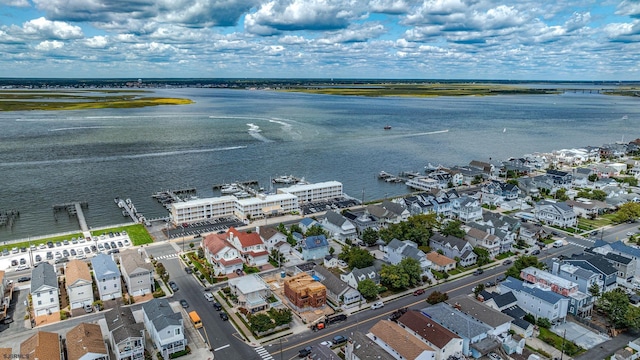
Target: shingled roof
<point>85,339</point>
<point>428,329</point>
<point>408,346</point>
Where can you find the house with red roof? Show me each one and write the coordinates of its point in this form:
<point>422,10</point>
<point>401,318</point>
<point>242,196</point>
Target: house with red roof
<point>224,257</point>
<point>250,245</point>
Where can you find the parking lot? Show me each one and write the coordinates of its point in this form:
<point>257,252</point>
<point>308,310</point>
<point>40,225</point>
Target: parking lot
<point>203,227</point>
<point>21,259</point>
<point>326,205</point>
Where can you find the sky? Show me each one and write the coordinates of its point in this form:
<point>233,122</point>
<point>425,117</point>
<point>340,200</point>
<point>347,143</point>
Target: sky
<point>385,39</point>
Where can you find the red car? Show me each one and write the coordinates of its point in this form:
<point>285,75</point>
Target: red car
<point>418,292</point>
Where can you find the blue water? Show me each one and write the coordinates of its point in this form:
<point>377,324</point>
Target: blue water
<point>48,158</point>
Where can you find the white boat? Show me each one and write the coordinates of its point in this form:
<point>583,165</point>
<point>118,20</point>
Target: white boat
<point>230,189</point>
<point>285,179</point>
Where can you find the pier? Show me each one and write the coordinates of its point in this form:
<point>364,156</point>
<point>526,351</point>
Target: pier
<point>73,209</point>
<point>7,217</point>
<point>167,197</point>
<point>244,183</point>
<point>128,209</point>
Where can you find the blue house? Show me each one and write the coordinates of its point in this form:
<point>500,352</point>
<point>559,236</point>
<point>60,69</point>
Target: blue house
<point>315,247</point>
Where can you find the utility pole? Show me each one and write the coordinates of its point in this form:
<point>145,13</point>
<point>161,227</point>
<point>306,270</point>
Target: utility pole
<point>564,335</point>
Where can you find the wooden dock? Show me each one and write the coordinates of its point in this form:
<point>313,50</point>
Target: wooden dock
<point>73,209</point>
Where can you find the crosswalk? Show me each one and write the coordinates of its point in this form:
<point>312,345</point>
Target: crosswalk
<point>161,257</point>
<point>264,354</point>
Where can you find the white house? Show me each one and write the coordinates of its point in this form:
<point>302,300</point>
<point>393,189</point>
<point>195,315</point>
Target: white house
<point>252,249</point>
<point>396,341</point>
<point>445,342</point>
<point>221,254</point>
<point>397,250</point>
<point>555,213</point>
<point>78,283</point>
<point>536,301</point>
<point>252,292</point>
<point>107,276</point>
<point>271,236</point>
<point>44,290</point>
<point>137,273</point>
<point>338,226</point>
<point>165,327</point>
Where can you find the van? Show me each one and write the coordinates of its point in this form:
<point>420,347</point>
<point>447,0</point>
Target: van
<point>557,243</point>
<point>195,319</point>
<point>377,305</point>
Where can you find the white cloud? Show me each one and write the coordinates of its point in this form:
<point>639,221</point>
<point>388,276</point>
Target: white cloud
<point>16,3</point>
<point>49,45</point>
<point>97,42</point>
<point>43,28</point>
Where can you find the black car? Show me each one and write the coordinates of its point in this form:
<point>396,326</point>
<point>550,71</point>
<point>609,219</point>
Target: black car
<point>339,339</point>
<point>304,352</point>
<point>224,316</point>
<point>94,248</point>
<point>507,262</point>
<point>188,270</point>
<point>184,303</point>
<point>490,284</point>
<point>38,258</point>
<point>73,252</point>
<point>501,278</point>
<point>174,287</point>
<point>49,244</point>
<point>478,272</point>
<point>217,306</point>
<point>107,246</point>
<point>535,252</point>
<point>24,279</point>
<point>65,253</point>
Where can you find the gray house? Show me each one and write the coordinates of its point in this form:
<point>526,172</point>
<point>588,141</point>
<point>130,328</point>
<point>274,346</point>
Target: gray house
<point>337,290</point>
<point>126,336</point>
<point>338,225</point>
<point>165,327</point>
<point>453,247</point>
<point>357,275</point>
<point>44,290</point>
<point>137,274</point>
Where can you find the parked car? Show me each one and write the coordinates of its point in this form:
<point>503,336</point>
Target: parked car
<point>24,279</point>
<point>73,252</point>
<point>7,320</point>
<point>65,253</point>
<point>208,296</point>
<point>38,258</point>
<point>174,287</point>
<point>88,308</point>
<point>377,305</point>
<point>224,316</point>
<point>184,303</point>
<point>501,278</point>
<point>339,339</point>
<point>478,271</point>
<point>490,284</point>
<point>304,352</point>
<point>49,255</point>
<point>418,292</point>
<point>217,306</point>
<point>535,252</point>
<point>188,270</point>
<point>22,267</point>
<point>507,262</point>
<point>494,356</point>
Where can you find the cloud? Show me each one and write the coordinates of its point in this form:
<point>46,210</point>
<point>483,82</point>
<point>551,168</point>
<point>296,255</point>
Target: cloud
<point>16,3</point>
<point>577,21</point>
<point>49,45</point>
<point>43,28</point>
<point>356,33</point>
<point>629,8</point>
<point>274,17</point>
<point>389,6</point>
<point>97,42</point>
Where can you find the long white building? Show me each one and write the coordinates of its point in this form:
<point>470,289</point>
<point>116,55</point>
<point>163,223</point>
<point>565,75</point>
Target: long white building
<point>287,200</point>
<point>313,192</point>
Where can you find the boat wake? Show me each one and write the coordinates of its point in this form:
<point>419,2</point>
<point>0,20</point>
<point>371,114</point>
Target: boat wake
<point>117,157</point>
<point>84,128</point>
<point>254,131</point>
<point>424,133</point>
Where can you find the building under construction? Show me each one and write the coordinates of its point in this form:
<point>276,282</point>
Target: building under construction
<point>304,292</point>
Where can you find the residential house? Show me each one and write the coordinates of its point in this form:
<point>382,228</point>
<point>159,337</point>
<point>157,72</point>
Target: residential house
<point>555,213</point>
<point>356,275</point>
<point>532,233</point>
<point>307,223</point>
<point>251,291</point>
<point>137,273</point>
<point>337,290</point>
<point>339,226</point>
<point>454,248</point>
<point>360,347</point>
<point>395,340</point>
<point>487,169</point>
<point>252,249</point>
<point>397,250</point>
<point>599,265</point>
<point>304,292</point>
<point>6,291</point>
<point>499,322</point>
<point>107,276</point>
<point>587,208</point>
<point>624,265</point>
<point>396,208</point>
<point>484,240</point>
<point>581,176</point>
<point>580,303</point>
<point>498,301</point>
<point>560,178</point>
<point>221,254</point>
<point>85,342</point>
<point>472,331</point>
<point>42,345</point>
<point>314,247</point>
<point>271,237</point>
<point>536,301</point>
<point>440,262</point>
<point>165,327</point>
<point>620,248</point>
<point>44,290</point>
<point>79,284</point>
<point>519,325</point>
<point>126,336</point>
<point>506,191</point>
<point>467,209</point>
<point>384,216</point>
<point>443,341</point>
<point>583,277</point>
<point>362,220</point>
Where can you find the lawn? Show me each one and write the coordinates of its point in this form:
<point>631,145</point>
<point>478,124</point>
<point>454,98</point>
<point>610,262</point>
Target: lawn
<point>137,233</point>
<point>557,342</point>
<point>588,224</point>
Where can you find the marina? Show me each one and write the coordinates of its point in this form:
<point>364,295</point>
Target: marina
<point>129,210</point>
<point>167,197</point>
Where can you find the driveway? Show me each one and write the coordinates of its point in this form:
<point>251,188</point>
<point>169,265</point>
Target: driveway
<point>582,336</point>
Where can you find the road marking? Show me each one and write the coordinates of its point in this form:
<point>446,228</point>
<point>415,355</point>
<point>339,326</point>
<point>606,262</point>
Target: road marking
<point>161,257</point>
<point>264,354</point>
<point>222,347</point>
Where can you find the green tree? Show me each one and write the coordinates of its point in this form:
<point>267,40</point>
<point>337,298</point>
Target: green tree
<point>369,236</point>
<point>478,289</point>
<point>332,250</point>
<point>453,228</point>
<point>614,304</point>
<point>543,322</point>
<point>593,177</point>
<point>316,230</point>
<point>368,289</point>
<point>282,229</point>
<point>521,263</point>
<point>277,256</point>
<point>437,297</point>
<point>393,277</point>
<point>261,322</point>
<point>599,195</point>
<point>295,228</point>
<point>356,257</point>
<point>483,256</point>
<point>594,290</point>
<point>632,317</point>
<point>628,211</point>
<point>417,228</point>
<point>411,267</point>
<point>561,194</point>
<point>281,316</point>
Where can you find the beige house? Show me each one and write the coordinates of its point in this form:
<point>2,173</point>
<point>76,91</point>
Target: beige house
<point>440,262</point>
<point>78,284</point>
<point>137,273</point>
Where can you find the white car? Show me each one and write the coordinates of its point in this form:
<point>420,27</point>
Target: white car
<point>377,305</point>
<point>22,267</point>
<point>630,233</point>
<point>208,296</point>
<point>494,356</point>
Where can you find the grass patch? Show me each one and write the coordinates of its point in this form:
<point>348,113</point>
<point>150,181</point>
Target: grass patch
<point>137,233</point>
<point>588,224</point>
<point>570,348</point>
<point>40,241</point>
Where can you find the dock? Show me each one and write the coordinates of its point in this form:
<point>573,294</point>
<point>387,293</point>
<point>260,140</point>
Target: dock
<point>247,183</point>
<point>7,217</point>
<point>167,197</point>
<point>128,209</point>
<point>73,209</point>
